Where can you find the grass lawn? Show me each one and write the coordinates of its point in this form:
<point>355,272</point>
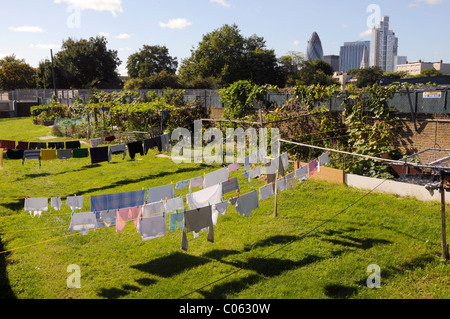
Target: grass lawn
<point>287,257</point>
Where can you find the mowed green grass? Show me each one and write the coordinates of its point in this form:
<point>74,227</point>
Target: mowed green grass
<point>308,251</point>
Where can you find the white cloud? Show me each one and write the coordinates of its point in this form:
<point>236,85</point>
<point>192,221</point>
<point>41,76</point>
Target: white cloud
<point>104,34</point>
<point>221,2</point>
<point>296,43</point>
<point>431,1</point>
<point>365,33</point>
<point>45,46</point>
<point>123,36</point>
<point>180,23</point>
<point>112,6</point>
<point>26,28</point>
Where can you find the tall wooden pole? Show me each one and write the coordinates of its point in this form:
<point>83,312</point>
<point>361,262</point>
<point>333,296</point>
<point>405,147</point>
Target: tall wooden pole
<point>275,209</point>
<point>53,74</point>
<point>444,223</point>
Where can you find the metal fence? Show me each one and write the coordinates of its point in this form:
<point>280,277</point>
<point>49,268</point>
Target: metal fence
<point>435,102</point>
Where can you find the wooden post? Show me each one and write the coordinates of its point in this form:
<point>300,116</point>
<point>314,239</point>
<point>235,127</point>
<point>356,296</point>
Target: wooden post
<point>1,158</point>
<point>275,208</point>
<point>444,223</point>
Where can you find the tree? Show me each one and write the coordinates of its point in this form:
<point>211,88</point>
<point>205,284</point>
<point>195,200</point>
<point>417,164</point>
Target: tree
<point>44,77</point>
<point>86,64</point>
<point>226,55</point>
<point>161,80</point>
<point>16,74</point>
<point>151,60</point>
<point>316,72</point>
<point>289,67</point>
<point>368,76</point>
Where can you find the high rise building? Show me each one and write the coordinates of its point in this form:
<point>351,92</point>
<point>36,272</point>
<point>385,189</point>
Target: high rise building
<point>333,60</point>
<point>384,46</point>
<point>314,50</point>
<point>354,55</point>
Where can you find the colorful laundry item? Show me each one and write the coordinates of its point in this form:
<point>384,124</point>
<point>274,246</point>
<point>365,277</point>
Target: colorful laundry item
<point>32,155</point>
<point>135,148</point>
<point>106,218</point>
<point>117,201</point>
<point>153,209</point>
<point>73,145</point>
<point>206,197</point>
<point>230,185</point>
<point>254,173</point>
<point>22,145</point>
<point>110,138</point>
<point>83,222</point>
<point>75,202</point>
<point>216,177</point>
<point>290,180</point>
<point>8,145</point>
<point>312,167</point>
<point>173,204</point>
<point>126,215</point>
<point>233,167</point>
<point>36,205</point>
<point>182,184</point>
<point>100,155</point>
<point>56,203</point>
<point>285,161</point>
<point>281,184</point>
<point>64,154</point>
<point>152,227</point>
<point>95,142</point>
<point>48,155</point>
<point>159,193</point>
<point>118,149</point>
<point>196,182</point>
<point>194,221</point>
<point>176,221</point>
<point>222,207</point>
<point>247,203</point>
<point>324,159</point>
<point>80,152</point>
<point>15,154</point>
<point>266,192</point>
<point>301,174</point>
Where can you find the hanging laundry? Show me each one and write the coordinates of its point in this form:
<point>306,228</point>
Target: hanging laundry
<point>64,154</point>
<point>324,159</point>
<point>173,204</point>
<point>159,193</point>
<point>110,138</point>
<point>285,161</point>
<point>126,215</point>
<point>233,167</point>
<point>230,185</point>
<point>75,202</point>
<point>36,205</point>
<point>56,145</point>
<point>56,203</point>
<point>247,203</point>
<point>312,167</point>
<point>80,152</point>
<point>22,146</point>
<point>290,180</point>
<point>100,154</point>
<point>233,200</point>
<point>222,207</point>
<point>196,182</point>
<point>262,155</point>
<point>14,154</point>
<point>182,184</point>
<point>152,227</point>
<point>73,145</point>
<point>95,142</point>
<point>117,201</point>
<point>153,209</point>
<point>301,174</point>
<point>8,145</point>
<point>266,192</point>
<point>118,149</point>
<point>51,146</point>
<point>106,218</point>
<point>41,146</point>
<point>216,177</point>
<point>254,173</point>
<point>281,184</point>
<point>165,142</point>
<point>48,155</point>
<point>135,148</point>
<point>83,222</point>
<point>176,221</point>
<point>30,155</point>
<point>194,221</point>
<point>206,197</point>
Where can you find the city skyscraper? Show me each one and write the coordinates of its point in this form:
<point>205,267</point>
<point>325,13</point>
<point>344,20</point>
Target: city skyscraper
<point>384,46</point>
<point>352,55</point>
<point>314,50</point>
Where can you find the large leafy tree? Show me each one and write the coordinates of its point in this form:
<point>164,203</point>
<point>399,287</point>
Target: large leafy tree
<point>225,54</point>
<point>151,60</point>
<point>84,64</point>
<point>316,72</point>
<point>16,74</point>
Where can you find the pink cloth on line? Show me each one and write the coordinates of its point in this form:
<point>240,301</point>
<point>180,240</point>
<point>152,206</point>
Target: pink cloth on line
<point>126,215</point>
<point>313,166</point>
<point>233,167</point>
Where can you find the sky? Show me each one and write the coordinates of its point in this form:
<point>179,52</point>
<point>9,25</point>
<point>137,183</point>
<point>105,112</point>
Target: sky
<point>30,28</point>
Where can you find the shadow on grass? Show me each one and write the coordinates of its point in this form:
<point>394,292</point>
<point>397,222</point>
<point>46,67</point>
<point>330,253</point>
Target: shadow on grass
<point>337,291</point>
<point>115,293</point>
<point>5,287</point>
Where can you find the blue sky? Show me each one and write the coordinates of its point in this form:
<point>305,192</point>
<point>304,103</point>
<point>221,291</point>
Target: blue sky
<point>29,28</point>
